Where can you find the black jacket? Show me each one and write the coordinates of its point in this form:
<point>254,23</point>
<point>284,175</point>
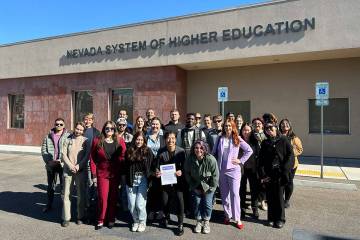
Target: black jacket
<point>179,160</point>
<point>253,162</point>
<point>130,167</point>
<point>275,159</point>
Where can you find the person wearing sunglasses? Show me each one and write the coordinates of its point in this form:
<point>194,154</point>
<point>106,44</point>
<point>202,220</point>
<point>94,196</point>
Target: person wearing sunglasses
<point>75,155</point>
<point>215,132</point>
<point>275,163</point>
<point>121,124</point>
<point>51,151</point>
<point>106,163</point>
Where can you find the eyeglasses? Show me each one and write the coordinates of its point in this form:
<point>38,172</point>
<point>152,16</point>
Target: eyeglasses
<point>121,125</point>
<point>59,124</point>
<point>109,129</point>
<point>269,127</point>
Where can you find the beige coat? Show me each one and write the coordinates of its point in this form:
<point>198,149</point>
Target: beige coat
<point>298,149</point>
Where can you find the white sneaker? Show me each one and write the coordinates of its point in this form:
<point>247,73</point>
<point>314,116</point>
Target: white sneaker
<point>206,228</point>
<point>198,226</point>
<point>134,227</point>
<point>142,227</point>
<point>263,206</point>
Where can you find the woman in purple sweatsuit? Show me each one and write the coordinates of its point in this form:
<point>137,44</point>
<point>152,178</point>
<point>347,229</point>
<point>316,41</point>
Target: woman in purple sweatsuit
<point>227,152</point>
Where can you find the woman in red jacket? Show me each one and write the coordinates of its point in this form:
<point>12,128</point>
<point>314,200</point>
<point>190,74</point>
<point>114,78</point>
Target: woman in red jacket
<point>106,159</point>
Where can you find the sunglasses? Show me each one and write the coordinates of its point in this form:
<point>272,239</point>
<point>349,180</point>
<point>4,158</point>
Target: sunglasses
<point>198,117</point>
<point>109,129</point>
<point>59,124</point>
<point>121,125</point>
<point>217,121</point>
<point>269,127</point>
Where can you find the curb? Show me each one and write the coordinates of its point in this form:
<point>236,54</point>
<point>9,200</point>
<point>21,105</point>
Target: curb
<point>326,185</point>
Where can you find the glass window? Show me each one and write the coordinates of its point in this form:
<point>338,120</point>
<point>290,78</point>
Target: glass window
<point>83,104</point>
<point>336,116</point>
<point>237,107</point>
<point>16,110</point>
<point>122,99</point>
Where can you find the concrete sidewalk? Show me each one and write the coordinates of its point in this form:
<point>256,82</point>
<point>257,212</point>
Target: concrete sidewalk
<point>334,168</point>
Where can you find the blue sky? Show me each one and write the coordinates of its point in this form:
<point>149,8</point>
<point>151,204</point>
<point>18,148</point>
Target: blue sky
<point>26,20</point>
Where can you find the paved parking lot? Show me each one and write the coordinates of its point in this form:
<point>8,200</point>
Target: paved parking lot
<point>315,212</point>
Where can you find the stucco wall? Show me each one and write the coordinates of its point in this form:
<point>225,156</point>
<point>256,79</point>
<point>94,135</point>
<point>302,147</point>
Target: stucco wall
<point>285,89</point>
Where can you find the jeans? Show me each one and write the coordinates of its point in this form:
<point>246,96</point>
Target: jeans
<point>137,196</point>
<point>203,204</point>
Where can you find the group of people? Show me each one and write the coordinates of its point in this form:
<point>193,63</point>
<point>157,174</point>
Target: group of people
<point>125,162</point>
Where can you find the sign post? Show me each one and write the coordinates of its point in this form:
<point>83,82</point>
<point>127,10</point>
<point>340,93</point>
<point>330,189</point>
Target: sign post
<point>223,96</point>
<point>322,99</point>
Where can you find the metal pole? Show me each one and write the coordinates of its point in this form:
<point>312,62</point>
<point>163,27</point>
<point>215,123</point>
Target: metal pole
<point>222,110</point>
<point>322,140</point>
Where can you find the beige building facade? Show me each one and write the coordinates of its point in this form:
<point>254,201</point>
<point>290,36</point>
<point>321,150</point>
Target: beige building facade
<point>269,55</point>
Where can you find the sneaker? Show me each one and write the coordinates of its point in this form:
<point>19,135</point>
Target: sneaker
<point>180,230</point>
<point>142,227</point>
<point>65,223</point>
<point>198,226</point>
<point>278,224</point>
<point>286,204</point>
<point>206,228</point>
<point>134,227</point>
<point>263,206</point>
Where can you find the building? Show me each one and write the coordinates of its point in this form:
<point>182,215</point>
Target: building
<point>269,55</point>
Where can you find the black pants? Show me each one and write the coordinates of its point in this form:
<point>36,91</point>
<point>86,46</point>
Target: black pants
<point>289,188</point>
<point>275,200</point>
<point>52,174</point>
<point>172,194</point>
<point>154,197</point>
<point>250,175</point>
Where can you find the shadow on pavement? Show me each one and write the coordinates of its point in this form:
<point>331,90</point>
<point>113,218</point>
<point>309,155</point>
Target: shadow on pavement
<point>30,204</point>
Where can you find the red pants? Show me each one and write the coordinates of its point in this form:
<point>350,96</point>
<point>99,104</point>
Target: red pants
<point>107,197</point>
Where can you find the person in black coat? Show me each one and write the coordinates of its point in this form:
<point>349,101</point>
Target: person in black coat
<point>171,154</point>
<point>275,162</point>
<point>250,171</point>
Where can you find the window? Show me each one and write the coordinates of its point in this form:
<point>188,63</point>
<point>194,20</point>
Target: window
<point>16,110</point>
<point>122,99</point>
<point>83,104</point>
<point>336,116</point>
<point>237,107</point>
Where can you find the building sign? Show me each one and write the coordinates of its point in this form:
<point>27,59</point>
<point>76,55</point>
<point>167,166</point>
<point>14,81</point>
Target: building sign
<point>232,34</point>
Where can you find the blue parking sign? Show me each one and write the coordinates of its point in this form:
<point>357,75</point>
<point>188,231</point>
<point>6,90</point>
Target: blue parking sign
<point>322,90</point>
<point>223,94</point>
